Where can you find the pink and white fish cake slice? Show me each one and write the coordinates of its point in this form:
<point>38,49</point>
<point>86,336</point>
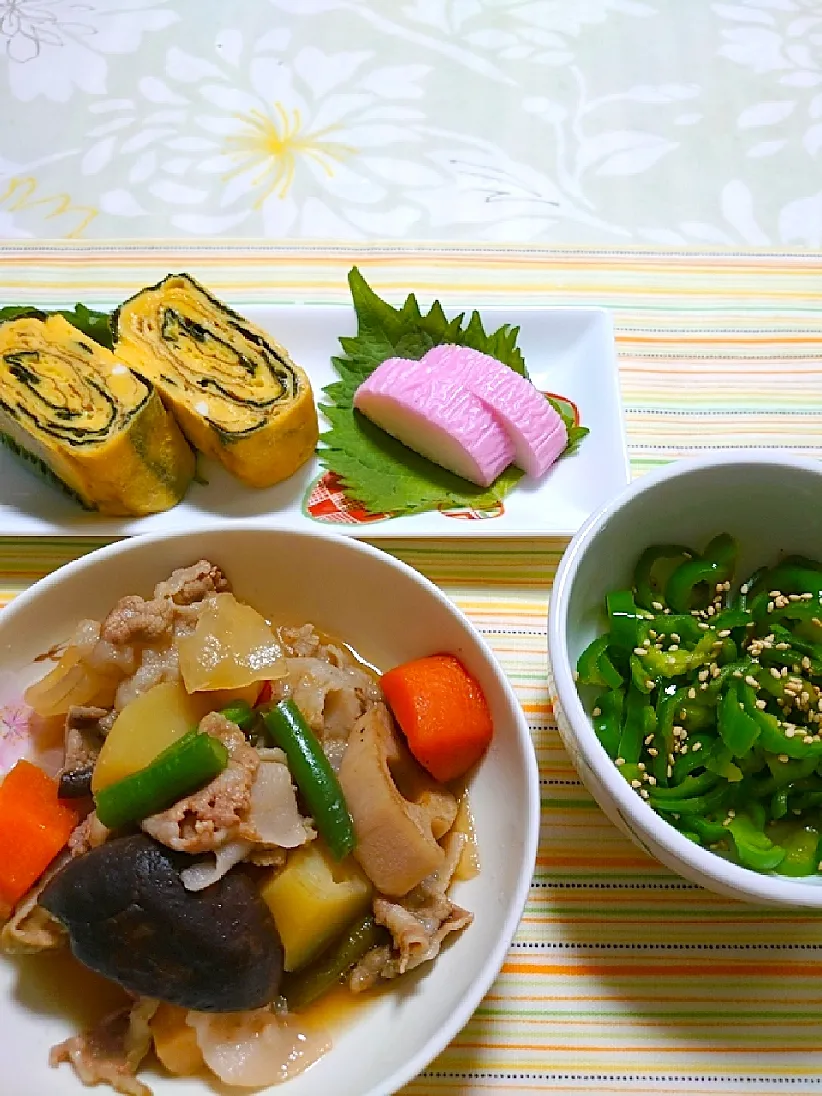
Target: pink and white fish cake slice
<point>435,414</point>
<point>536,430</point>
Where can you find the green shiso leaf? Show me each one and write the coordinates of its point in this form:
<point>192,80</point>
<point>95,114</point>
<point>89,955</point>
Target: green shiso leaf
<point>91,322</point>
<point>381,473</point>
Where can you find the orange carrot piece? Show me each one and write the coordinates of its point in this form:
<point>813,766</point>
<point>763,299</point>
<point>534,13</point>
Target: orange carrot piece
<point>34,827</point>
<point>442,712</point>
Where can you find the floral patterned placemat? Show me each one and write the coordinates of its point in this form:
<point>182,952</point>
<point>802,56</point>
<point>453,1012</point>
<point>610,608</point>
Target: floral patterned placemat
<point>670,122</point>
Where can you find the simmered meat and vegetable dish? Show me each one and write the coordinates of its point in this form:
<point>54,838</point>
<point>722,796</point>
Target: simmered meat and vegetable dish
<point>247,817</point>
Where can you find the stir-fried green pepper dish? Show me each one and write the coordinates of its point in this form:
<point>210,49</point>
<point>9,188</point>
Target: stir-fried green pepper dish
<point>709,700</point>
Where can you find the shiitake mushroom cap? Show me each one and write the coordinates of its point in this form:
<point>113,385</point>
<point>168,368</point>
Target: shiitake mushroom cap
<point>130,918</point>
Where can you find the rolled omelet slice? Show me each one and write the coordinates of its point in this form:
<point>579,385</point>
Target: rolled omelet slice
<point>73,410</point>
<point>235,392</point>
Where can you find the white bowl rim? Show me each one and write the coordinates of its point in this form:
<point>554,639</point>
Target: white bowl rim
<point>492,964</point>
<point>700,863</point>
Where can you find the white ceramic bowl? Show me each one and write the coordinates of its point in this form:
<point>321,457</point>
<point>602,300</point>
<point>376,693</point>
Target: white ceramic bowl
<point>388,613</point>
<point>773,505</point>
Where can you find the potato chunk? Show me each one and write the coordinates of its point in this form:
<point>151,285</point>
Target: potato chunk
<point>313,899</point>
<point>144,728</point>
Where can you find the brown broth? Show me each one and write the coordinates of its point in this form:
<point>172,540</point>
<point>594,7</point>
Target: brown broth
<point>54,982</point>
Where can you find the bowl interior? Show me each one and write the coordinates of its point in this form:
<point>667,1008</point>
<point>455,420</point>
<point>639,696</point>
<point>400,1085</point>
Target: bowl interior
<point>772,507</point>
<point>388,614</point>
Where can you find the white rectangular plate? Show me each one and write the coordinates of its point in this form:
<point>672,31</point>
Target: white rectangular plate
<point>568,351</point>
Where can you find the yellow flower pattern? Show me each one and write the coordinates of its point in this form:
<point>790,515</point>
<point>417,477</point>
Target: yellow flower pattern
<point>275,142</point>
<point>61,218</point>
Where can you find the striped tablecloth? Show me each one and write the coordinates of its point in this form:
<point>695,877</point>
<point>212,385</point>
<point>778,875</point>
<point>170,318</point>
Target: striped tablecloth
<point>622,977</point>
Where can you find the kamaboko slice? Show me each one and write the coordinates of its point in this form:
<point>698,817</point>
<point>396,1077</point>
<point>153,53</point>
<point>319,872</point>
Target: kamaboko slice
<point>72,410</point>
<point>434,414</point>
<point>536,430</point>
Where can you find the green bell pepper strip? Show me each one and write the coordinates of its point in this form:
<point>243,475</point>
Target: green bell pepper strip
<point>693,759</point>
<point>738,730</point>
<point>700,805</point>
<point>795,579</point>
<point>710,832</point>
<point>184,767</point>
<point>608,724</point>
<point>302,987</point>
<point>720,761</point>
<point>714,566</point>
<point>779,803</point>
<point>661,664</point>
<point>690,786</point>
<point>628,624</point>
<point>681,624</point>
<point>241,713</point>
<point>731,618</point>
<point>668,706</point>
<point>641,676</point>
<point>608,672</point>
<point>313,775</point>
<point>640,721</point>
<point>746,589</point>
<point>753,847</point>
<point>647,584</point>
<point>801,852</point>
<point>595,667</point>
<point>789,772</point>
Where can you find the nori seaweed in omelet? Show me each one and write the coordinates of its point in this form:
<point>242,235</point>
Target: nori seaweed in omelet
<point>70,409</point>
<point>234,391</point>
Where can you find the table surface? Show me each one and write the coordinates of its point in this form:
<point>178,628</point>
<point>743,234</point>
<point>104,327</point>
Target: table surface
<point>631,154</point>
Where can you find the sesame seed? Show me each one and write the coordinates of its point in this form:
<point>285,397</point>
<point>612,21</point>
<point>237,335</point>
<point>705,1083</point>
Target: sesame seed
<point>657,605</point>
<point>669,772</point>
<point>596,712</point>
<point>652,780</point>
<point>703,625</point>
<point>649,684</point>
<point>648,739</point>
<point>696,746</point>
<point>636,784</point>
<point>646,642</point>
<point>770,606</point>
<point>744,588</point>
<point>645,794</point>
<point>808,739</point>
<point>783,758</point>
<point>620,761</point>
<point>639,650</point>
<point>692,694</point>
<point>576,675</point>
<point>674,647</point>
<point>653,752</point>
<point>775,593</point>
<point>775,673</point>
<point>760,704</point>
<point>790,731</point>
<point>751,680</point>
<point>724,633</point>
<point>641,766</point>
